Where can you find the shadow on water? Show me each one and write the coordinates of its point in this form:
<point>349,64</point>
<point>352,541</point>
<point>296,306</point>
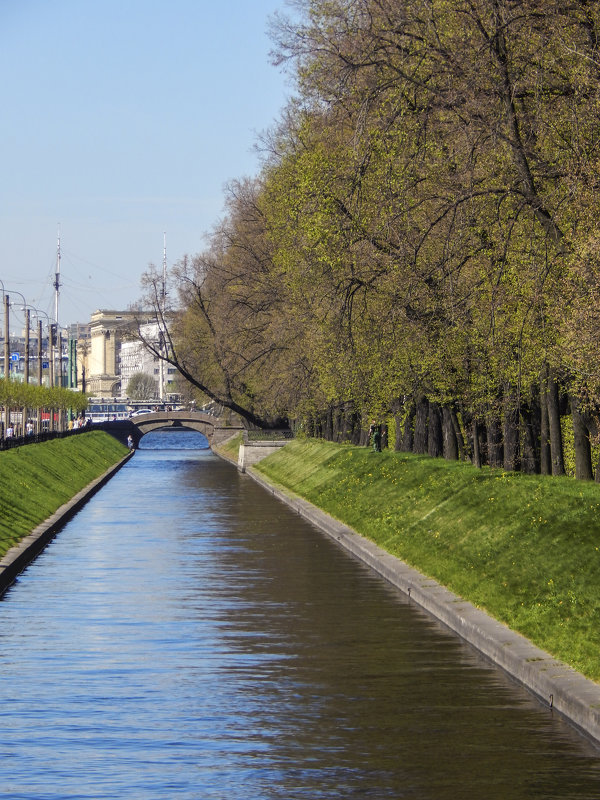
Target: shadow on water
<point>189,636</point>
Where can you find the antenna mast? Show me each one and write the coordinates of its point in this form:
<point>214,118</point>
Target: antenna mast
<point>162,336</point>
<point>57,277</point>
<point>164,280</point>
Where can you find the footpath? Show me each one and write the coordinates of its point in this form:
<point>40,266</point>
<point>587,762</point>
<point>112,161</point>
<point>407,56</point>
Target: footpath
<point>559,688</point>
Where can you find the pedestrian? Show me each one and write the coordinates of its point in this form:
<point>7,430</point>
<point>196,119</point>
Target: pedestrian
<point>130,444</point>
<point>375,436</point>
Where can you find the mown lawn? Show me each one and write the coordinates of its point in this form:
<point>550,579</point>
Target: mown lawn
<point>524,548</point>
<point>35,480</point>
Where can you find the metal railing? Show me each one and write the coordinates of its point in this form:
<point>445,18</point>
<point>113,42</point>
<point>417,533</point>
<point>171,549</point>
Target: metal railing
<point>44,436</point>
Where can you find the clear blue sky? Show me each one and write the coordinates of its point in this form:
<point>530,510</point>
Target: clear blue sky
<point>121,120</point>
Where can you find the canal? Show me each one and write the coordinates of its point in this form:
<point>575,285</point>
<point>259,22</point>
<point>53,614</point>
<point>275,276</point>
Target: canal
<point>186,635</point>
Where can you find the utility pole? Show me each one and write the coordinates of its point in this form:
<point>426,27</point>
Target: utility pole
<point>40,373</point>
<point>6,338</point>
<point>6,358</point>
<point>161,336</point>
<point>59,346</point>
<point>26,345</point>
<point>40,353</point>
<point>51,335</point>
<point>57,277</point>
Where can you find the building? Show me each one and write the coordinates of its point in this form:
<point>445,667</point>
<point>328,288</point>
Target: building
<point>111,355</point>
<point>99,356</point>
<point>135,359</point>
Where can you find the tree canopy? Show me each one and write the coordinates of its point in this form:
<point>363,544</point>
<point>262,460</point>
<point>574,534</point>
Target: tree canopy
<point>422,240</point>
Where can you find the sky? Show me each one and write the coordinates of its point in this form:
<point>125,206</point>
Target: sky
<point>122,122</point>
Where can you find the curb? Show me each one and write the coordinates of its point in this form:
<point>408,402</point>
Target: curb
<point>559,687</point>
<point>18,557</point>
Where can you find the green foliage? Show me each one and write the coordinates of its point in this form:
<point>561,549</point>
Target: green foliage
<point>524,548</point>
<point>425,222</point>
<point>231,447</point>
<point>14,394</point>
<point>141,386</point>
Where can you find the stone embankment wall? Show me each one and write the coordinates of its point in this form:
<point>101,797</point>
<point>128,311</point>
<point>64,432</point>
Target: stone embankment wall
<point>252,452</point>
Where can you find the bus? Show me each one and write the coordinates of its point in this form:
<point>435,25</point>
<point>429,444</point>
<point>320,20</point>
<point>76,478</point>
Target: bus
<point>106,412</point>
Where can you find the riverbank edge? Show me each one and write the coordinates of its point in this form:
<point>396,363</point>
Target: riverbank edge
<point>22,554</point>
<point>557,686</point>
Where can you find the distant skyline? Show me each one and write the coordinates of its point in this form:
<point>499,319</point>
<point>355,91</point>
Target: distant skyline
<point>124,120</point>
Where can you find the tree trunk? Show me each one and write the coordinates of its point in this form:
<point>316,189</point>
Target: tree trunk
<point>356,431</point>
<point>482,442</point>
<point>593,425</point>
<point>556,443</point>
<point>450,442</point>
<point>460,439</point>
<point>531,425</point>
<point>435,442</point>
<point>407,433</point>
<point>511,433</point>
<point>476,449</point>
<point>581,441</point>
<point>384,436</point>
<point>545,454</point>
<point>337,424</point>
<point>328,425</point>
<point>494,441</point>
<point>422,414</point>
<point>347,422</point>
<point>398,437</point>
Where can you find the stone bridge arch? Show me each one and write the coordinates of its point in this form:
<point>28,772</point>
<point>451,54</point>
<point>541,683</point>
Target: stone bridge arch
<point>212,427</point>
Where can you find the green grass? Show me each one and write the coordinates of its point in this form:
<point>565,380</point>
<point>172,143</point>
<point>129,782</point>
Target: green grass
<point>35,480</point>
<point>524,548</point>
<point>231,447</point>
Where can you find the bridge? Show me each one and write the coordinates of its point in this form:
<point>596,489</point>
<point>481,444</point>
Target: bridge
<point>214,428</point>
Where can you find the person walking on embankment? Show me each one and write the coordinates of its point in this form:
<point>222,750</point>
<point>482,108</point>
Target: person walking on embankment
<point>375,436</point>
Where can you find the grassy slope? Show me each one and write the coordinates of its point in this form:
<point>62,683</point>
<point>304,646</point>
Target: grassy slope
<point>524,548</point>
<point>37,479</point>
<point>231,447</point>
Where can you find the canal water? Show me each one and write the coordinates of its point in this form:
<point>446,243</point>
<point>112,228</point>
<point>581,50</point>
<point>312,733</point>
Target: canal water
<point>186,635</point>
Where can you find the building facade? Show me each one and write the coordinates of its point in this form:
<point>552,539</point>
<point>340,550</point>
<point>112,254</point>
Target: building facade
<point>112,355</point>
<point>100,356</point>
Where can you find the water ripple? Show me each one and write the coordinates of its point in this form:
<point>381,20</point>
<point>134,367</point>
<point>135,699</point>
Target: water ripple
<point>187,636</point>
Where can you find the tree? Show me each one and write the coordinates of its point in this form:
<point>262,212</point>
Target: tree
<point>494,103</point>
<point>224,334</point>
<point>141,387</point>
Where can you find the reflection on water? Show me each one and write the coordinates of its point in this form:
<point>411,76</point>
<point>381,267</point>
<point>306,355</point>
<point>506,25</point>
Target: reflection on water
<point>188,636</point>
<point>174,439</point>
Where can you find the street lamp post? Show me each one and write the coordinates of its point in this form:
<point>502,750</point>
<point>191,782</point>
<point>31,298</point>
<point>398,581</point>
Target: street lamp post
<point>40,353</point>
<point>6,335</point>
<point>26,310</point>
<point>25,410</point>
<point>6,352</point>
<point>40,365</point>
